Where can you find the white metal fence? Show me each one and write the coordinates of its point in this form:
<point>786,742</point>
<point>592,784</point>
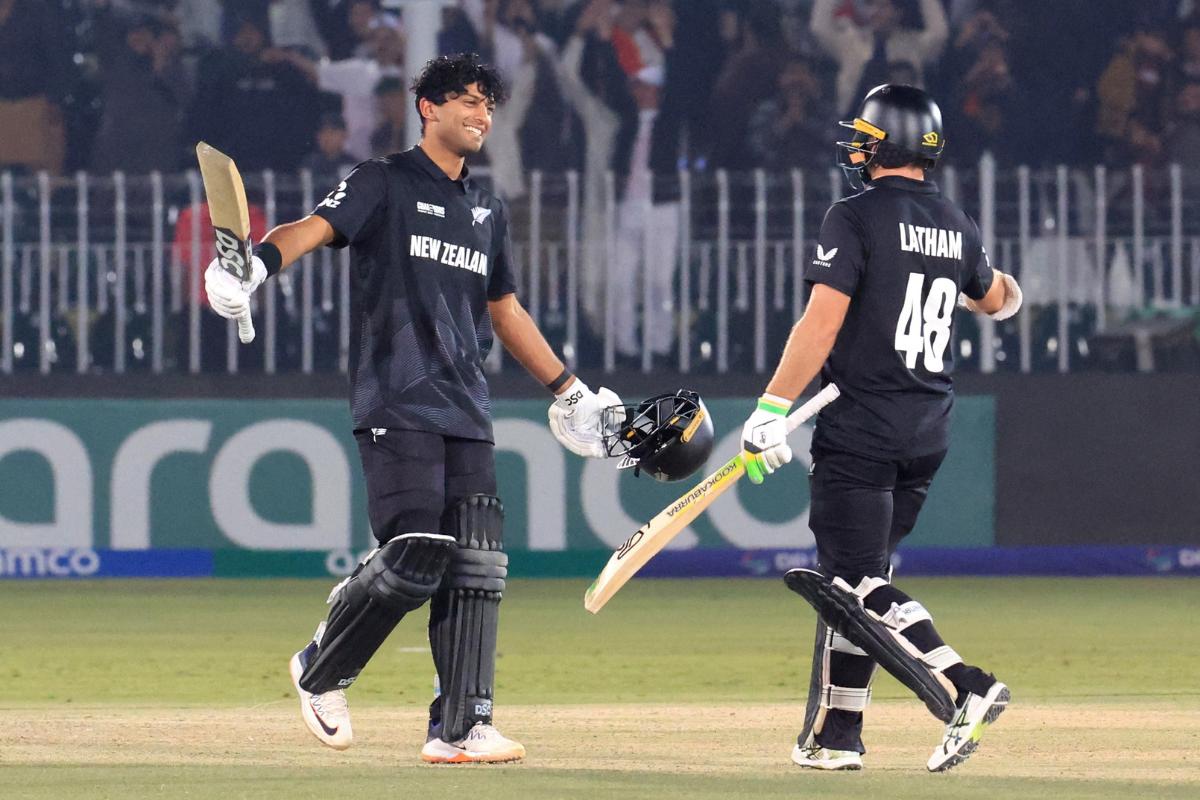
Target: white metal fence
<point>102,273</point>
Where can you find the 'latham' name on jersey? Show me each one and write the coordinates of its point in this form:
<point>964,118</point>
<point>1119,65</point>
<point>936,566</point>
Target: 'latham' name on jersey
<point>936,242</point>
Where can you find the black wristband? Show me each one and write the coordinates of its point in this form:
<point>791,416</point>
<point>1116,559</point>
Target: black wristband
<point>560,381</point>
<point>270,256</point>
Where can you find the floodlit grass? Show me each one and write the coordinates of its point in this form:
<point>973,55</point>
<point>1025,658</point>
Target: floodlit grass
<point>677,689</point>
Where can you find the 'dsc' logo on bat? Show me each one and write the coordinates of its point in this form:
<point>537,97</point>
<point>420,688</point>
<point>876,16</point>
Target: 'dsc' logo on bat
<point>229,251</point>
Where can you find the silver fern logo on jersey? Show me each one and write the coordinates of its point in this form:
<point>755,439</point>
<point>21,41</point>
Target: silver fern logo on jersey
<point>479,214</point>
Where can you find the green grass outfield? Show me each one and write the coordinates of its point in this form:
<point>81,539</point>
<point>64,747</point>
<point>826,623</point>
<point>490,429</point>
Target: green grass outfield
<point>130,689</point>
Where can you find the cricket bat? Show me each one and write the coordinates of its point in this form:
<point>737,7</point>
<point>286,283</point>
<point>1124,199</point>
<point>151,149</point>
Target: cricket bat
<point>230,218</point>
<point>652,537</point>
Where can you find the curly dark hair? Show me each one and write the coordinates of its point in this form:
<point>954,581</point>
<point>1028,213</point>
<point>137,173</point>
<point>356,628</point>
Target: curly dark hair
<point>450,75</point>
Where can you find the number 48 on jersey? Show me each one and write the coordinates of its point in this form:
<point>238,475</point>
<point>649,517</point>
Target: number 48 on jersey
<point>926,328</point>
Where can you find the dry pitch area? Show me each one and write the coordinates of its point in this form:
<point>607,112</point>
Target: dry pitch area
<point>1061,751</point>
<point>110,697</point>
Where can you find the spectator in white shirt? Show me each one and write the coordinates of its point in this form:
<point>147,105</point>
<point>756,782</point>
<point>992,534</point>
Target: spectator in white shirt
<point>356,80</point>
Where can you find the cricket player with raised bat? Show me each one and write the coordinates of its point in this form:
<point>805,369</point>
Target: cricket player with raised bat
<point>890,264</point>
<point>432,281</point>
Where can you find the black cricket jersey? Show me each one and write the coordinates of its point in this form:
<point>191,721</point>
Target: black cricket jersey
<point>426,254</point>
<point>902,253</point>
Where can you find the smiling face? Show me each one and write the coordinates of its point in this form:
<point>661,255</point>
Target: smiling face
<point>461,124</point>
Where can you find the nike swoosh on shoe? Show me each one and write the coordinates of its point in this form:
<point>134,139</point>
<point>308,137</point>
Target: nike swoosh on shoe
<point>321,722</point>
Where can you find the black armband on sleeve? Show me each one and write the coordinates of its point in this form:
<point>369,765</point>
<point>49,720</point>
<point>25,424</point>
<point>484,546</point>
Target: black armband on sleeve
<point>271,257</point>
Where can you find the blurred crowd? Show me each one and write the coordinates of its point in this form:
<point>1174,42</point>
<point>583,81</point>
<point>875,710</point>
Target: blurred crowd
<point>628,85</point>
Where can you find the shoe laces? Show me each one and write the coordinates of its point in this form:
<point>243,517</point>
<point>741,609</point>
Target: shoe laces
<point>331,704</point>
<point>482,732</point>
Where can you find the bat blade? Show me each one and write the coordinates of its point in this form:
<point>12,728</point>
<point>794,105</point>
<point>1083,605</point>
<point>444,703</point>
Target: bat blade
<point>228,209</point>
<point>652,537</point>
<point>230,215</point>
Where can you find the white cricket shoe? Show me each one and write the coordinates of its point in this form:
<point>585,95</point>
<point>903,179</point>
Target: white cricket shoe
<point>482,744</point>
<point>962,736</point>
<point>813,756</point>
<point>327,715</point>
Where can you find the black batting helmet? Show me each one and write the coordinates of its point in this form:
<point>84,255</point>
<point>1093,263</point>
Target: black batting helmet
<point>668,436</point>
<point>896,125</point>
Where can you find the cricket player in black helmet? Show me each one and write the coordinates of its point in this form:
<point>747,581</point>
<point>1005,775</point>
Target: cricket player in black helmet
<point>892,265</point>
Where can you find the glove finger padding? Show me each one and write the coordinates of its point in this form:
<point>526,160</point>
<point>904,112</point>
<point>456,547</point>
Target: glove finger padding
<point>578,442</point>
<point>607,398</point>
<point>1013,297</point>
<point>225,293</point>
<point>776,457</point>
<point>577,419</point>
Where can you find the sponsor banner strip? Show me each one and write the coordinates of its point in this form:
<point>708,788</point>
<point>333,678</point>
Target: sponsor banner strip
<point>60,563</point>
<point>1081,561</point>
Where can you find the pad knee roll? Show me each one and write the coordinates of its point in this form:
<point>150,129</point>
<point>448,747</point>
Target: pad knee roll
<point>394,579</point>
<point>465,616</point>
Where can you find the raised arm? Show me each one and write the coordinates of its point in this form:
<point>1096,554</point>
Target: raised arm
<point>935,30</point>
<point>295,239</point>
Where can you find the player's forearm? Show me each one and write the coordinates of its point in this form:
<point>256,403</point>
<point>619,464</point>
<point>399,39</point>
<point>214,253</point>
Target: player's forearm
<point>521,337</point>
<point>807,347</point>
<point>295,239</point>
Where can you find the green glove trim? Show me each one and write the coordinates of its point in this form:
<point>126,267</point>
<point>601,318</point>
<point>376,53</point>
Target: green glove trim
<point>753,471</point>
<point>769,404</point>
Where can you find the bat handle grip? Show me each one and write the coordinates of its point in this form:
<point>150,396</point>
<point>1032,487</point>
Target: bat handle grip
<point>245,328</point>
<point>810,409</point>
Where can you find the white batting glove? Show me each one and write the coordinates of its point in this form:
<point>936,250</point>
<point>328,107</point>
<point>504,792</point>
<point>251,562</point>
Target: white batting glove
<point>1013,297</point>
<point>576,419</point>
<point>764,438</point>
<point>228,296</point>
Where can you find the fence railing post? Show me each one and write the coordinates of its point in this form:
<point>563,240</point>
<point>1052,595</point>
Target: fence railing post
<point>685,270</point>
<point>1024,237</point>
<point>1064,266</point>
<point>1100,277</point>
<point>760,270</point>
<point>120,255</point>
<point>798,252</point>
<point>7,258</point>
<point>157,288</point>
<point>571,348</point>
<point>722,271</point>
<point>987,225</point>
